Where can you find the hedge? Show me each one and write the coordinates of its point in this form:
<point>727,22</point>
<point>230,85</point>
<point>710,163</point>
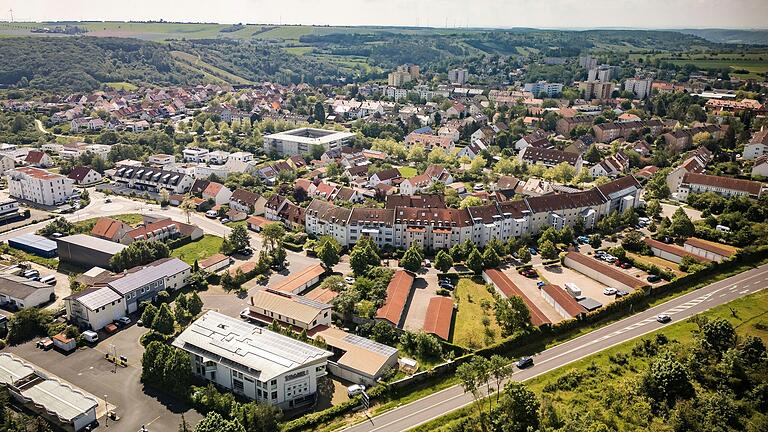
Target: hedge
<point>311,421</point>
<point>293,246</point>
<point>179,242</point>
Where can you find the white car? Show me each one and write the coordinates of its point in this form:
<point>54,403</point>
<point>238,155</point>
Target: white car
<point>124,320</point>
<point>355,389</point>
<point>349,279</point>
<point>609,291</point>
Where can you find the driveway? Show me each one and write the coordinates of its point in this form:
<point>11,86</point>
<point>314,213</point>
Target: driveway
<point>122,388</point>
<point>529,288</point>
<point>424,288</point>
<point>559,275</point>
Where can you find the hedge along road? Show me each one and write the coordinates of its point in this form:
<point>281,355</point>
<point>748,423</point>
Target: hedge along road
<point>453,398</point>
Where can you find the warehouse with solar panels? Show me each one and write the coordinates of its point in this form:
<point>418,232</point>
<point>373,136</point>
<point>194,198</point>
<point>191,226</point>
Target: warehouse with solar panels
<point>34,244</point>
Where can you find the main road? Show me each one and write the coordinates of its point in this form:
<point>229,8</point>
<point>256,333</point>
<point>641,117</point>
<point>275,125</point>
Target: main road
<point>437,404</point>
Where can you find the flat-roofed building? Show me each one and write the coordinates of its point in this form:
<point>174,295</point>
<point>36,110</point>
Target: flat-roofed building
<point>709,250</point>
<point>38,186</point>
<point>94,308</point>
<point>303,140</point>
<point>84,250</point>
<point>252,361</point>
<point>603,273</point>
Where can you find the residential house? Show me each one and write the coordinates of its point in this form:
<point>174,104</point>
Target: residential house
<point>550,157</point>
<point>110,229</point>
<point>217,192</point>
<point>757,146</point>
<point>724,186</point>
<point>387,176</point>
<point>247,202</point>
<point>612,166</point>
<point>38,186</point>
<point>83,175</point>
<point>760,166</point>
<point>39,159</point>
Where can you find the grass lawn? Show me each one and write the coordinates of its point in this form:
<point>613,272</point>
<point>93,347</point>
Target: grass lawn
<point>234,224</point>
<point>85,226</point>
<point>407,172</point>
<point>468,329</point>
<point>606,371</point>
<point>198,250</point>
<point>659,262</point>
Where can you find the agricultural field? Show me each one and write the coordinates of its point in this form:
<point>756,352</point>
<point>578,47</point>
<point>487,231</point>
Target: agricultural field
<point>752,65</point>
<point>298,50</point>
<point>209,70</point>
<point>475,305</point>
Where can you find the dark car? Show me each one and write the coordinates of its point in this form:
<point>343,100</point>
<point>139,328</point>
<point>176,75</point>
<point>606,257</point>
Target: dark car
<point>663,318</point>
<point>653,278</point>
<point>525,362</point>
<point>626,265</point>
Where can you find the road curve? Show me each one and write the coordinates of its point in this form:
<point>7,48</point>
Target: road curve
<point>437,404</point>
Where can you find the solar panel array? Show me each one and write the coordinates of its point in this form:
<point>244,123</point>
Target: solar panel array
<point>370,345</point>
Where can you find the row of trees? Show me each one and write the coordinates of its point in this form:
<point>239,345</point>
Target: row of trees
<point>139,253</point>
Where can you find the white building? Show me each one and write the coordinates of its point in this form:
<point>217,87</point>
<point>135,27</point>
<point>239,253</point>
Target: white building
<point>640,87</point>
<point>539,87</point>
<point>94,308</point>
<point>757,146</point>
<point>19,292</point>
<point>143,283</point>
<point>458,76</point>
<point>286,308</point>
<point>152,179</point>
<point>39,186</point>
<point>6,163</point>
<point>252,361</point>
<point>194,154</point>
<point>302,140</point>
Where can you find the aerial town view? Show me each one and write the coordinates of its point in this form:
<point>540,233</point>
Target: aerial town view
<point>355,216</point>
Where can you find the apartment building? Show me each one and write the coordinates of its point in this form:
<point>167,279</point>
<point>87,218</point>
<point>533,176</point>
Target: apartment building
<point>539,87</point>
<point>724,186</point>
<point>302,140</point>
<point>639,87</point>
<point>152,179</point>
<point>39,186</point>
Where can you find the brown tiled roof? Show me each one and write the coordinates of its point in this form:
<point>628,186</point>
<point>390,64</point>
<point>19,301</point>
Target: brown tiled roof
<point>244,196</point>
<point>434,216</point>
<point>608,270</point>
<point>212,260</point>
<point>324,210</point>
<point>388,174</point>
<point>421,201</point>
<point>79,173</point>
<point>555,202</point>
<point>751,187</point>
<point>368,215</point>
<point>516,209</point>
<point>671,249</point>
<point>439,317</point>
<point>213,189</point>
<point>507,182</point>
<point>34,156</point>
<point>618,185</point>
<point>565,300</point>
<point>485,214</point>
<point>550,155</point>
<point>141,232</point>
<point>107,228</point>
<point>398,292</point>
<point>509,289</point>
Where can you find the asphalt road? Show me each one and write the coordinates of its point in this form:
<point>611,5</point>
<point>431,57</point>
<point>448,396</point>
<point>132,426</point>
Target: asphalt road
<point>452,398</point>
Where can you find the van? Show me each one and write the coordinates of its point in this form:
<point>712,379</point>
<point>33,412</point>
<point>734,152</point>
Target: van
<point>50,280</point>
<point>723,228</point>
<point>572,289</point>
<point>355,389</point>
<point>90,336</point>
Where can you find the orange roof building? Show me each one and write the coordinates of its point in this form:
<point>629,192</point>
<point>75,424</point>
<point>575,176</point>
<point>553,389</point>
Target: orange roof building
<point>398,292</point>
<point>439,317</point>
<point>509,289</point>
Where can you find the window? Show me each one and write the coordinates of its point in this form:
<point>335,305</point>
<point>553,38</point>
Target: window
<point>274,395</point>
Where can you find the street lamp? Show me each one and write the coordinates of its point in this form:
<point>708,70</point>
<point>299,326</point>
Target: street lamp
<point>106,416</point>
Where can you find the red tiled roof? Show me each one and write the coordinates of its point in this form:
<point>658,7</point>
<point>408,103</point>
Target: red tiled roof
<point>751,187</point>
<point>439,317</point>
<point>509,289</point>
<point>398,292</point>
<point>106,228</point>
<point>562,298</point>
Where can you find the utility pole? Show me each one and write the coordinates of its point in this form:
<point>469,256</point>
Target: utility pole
<point>11,11</point>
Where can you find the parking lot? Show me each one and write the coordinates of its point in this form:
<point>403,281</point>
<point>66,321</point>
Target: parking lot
<point>121,387</point>
<point>424,288</point>
<point>559,275</point>
<point>529,288</point>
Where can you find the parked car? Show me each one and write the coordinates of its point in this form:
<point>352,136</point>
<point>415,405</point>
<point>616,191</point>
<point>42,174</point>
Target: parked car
<point>621,293</point>
<point>211,214</point>
<point>90,336</point>
<point>540,284</point>
<point>653,278</point>
<point>427,263</point>
<point>349,279</point>
<point>45,343</point>
<point>533,251</point>
<point>663,318</point>
<point>355,389</point>
<point>224,220</point>
<point>445,284</point>
<point>50,280</point>
<point>626,265</point>
<point>124,320</point>
<point>57,235</point>
<point>246,251</point>
<point>525,362</point>
<point>29,274</point>
<point>582,239</point>
<point>108,200</point>
<point>609,291</point>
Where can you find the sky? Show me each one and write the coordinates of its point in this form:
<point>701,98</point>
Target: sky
<point>424,13</point>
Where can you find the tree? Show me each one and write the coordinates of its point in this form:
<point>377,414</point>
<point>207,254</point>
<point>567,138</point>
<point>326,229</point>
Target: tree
<point>717,336</point>
<point>328,251</point>
<point>139,253</point>
<point>149,314</point>
<point>595,241</point>
<point>653,209</point>
<point>524,254</point>
<point>214,422</point>
<point>272,233</point>
<point>667,380</point>
<point>518,410</point>
<point>259,417</point>
<point>443,261</point>
<point>475,261</point>
<point>470,201</point>
<point>163,322</point>
<point>279,255</point>
<point>512,314</point>
<point>412,259</point>
<point>237,240</point>
<point>28,323</point>
<point>548,250</point>
<point>491,258</point>
<point>500,369</point>
<point>473,375</point>
<point>593,155</point>
<point>681,226</point>
<point>194,304</point>
<point>363,256</point>
<point>319,112</point>
<point>634,241</point>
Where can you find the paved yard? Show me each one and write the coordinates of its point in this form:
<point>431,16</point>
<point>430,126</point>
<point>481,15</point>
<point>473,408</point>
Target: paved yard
<point>88,369</point>
<point>425,287</point>
<point>559,275</point>
<point>529,288</point>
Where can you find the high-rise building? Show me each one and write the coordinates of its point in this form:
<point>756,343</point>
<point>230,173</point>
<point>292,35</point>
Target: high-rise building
<point>403,74</point>
<point>640,87</point>
<point>588,62</point>
<point>458,76</point>
<point>537,88</point>
<point>603,73</point>
<point>596,89</point>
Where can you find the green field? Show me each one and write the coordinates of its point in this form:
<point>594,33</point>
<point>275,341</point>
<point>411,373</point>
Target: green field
<point>207,69</point>
<point>756,63</point>
<point>198,250</point>
<point>298,50</point>
<point>407,172</point>
<point>468,330</point>
<point>122,86</point>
